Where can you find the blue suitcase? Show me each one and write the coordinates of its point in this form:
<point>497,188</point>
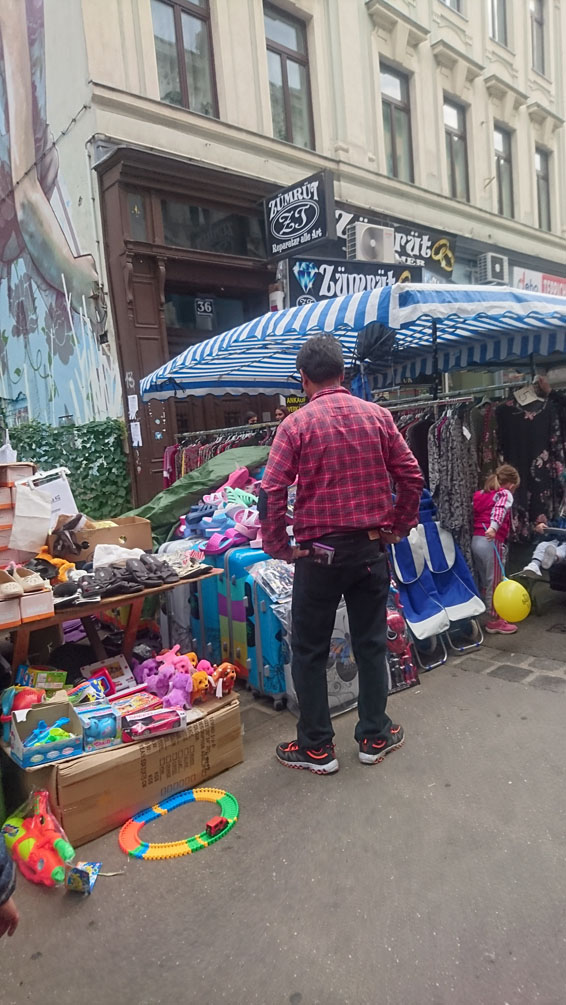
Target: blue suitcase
<point>266,651</point>
<point>233,600</point>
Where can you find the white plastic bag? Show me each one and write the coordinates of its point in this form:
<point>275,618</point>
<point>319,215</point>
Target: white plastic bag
<point>7,453</point>
<point>32,519</point>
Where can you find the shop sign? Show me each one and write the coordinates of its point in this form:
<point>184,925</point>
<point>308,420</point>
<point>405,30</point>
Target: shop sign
<point>295,401</point>
<point>204,307</point>
<point>321,279</point>
<point>538,282</point>
<point>430,249</point>
<point>300,215</point>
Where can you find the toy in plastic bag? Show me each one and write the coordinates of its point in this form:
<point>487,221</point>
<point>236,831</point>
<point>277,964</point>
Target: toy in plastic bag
<point>7,453</point>
<point>36,842</point>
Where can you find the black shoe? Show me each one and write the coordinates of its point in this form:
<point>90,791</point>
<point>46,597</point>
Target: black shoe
<point>373,751</point>
<point>322,762</point>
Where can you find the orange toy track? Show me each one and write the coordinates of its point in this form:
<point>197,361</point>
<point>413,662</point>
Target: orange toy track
<point>130,841</point>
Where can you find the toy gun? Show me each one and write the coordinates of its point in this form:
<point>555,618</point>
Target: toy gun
<point>47,734</point>
<point>37,843</point>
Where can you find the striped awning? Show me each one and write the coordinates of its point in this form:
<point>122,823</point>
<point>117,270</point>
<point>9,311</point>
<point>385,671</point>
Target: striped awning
<point>475,325</point>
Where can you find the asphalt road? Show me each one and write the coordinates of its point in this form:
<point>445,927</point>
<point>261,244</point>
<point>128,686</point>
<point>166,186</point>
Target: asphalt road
<point>436,878</point>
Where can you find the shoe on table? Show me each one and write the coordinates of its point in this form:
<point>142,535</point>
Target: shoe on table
<point>549,556</point>
<point>374,751</point>
<point>532,570</point>
<point>500,627</point>
<point>322,761</point>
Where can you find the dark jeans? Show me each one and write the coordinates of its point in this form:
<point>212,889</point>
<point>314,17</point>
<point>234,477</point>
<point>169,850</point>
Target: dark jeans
<point>360,574</point>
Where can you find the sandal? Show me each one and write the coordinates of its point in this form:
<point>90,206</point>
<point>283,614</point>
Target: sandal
<point>137,572</point>
<point>239,496</point>
<point>219,543</point>
<point>157,567</point>
<point>30,582</point>
<point>9,589</point>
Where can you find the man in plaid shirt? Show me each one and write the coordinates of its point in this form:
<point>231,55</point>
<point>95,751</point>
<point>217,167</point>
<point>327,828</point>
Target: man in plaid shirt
<point>345,453</point>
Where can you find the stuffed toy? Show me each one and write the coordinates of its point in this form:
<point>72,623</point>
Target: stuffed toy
<point>225,673</point>
<point>143,671</point>
<point>179,695</point>
<point>159,683</point>
<point>200,684</point>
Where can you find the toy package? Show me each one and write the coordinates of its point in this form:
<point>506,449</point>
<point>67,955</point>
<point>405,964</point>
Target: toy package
<point>37,842</point>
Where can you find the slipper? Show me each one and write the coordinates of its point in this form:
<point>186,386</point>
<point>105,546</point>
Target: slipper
<point>219,543</point>
<point>9,589</point>
<point>197,513</point>
<point>215,498</point>
<point>239,496</point>
<point>139,573</point>
<point>248,524</point>
<point>29,581</point>
<point>158,567</point>
<point>238,479</point>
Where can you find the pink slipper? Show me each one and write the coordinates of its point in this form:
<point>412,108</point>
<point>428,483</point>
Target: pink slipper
<point>219,543</point>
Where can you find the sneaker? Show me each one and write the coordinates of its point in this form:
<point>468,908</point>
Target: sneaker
<point>374,751</point>
<point>500,627</point>
<point>549,556</point>
<point>322,761</point>
<point>532,570</point>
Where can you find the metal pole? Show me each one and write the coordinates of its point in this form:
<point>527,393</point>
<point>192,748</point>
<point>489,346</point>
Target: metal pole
<point>434,359</point>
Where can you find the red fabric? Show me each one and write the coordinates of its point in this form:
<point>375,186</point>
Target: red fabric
<point>345,453</point>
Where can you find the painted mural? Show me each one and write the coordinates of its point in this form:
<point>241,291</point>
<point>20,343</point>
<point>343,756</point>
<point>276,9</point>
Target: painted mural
<point>52,366</point>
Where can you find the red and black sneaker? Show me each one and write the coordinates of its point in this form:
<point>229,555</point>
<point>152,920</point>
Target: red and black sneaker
<point>322,761</point>
<point>373,751</point>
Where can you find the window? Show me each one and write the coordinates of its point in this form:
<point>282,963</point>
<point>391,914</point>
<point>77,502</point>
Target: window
<point>288,69</point>
<point>397,124</point>
<point>503,171</point>
<point>136,211</point>
<point>183,47</point>
<point>537,34</point>
<point>498,20</point>
<point>542,160</point>
<point>186,225</point>
<point>454,4</point>
<point>456,150</point>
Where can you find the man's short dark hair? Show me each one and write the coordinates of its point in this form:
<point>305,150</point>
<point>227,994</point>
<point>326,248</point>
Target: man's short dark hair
<point>321,359</point>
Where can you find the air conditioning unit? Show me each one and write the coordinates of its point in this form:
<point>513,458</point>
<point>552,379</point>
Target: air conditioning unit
<point>366,242</point>
<point>493,269</point>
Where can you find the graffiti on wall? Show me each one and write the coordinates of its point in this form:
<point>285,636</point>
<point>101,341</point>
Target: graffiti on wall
<point>52,366</point>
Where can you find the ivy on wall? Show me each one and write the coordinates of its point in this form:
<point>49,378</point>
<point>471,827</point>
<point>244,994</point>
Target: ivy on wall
<point>94,455</point>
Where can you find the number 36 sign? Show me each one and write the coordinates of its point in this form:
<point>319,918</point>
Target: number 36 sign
<point>204,307</point>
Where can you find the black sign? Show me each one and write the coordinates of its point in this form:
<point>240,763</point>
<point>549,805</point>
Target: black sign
<point>432,250</point>
<point>204,307</point>
<point>312,279</point>
<point>300,215</point>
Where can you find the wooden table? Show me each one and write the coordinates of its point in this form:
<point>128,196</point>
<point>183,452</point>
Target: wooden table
<point>86,612</point>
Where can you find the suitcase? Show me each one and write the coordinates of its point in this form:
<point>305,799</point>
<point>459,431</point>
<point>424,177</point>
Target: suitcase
<point>234,598</point>
<point>190,618</point>
<point>266,651</point>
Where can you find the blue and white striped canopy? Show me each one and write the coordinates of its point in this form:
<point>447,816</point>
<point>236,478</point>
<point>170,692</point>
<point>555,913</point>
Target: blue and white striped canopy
<point>475,325</point>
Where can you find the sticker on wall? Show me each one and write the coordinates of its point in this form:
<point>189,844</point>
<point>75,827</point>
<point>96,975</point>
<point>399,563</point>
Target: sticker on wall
<point>159,435</point>
<point>136,434</point>
<point>132,406</point>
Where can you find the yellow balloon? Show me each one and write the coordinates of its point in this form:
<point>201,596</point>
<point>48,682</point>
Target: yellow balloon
<point>511,601</point>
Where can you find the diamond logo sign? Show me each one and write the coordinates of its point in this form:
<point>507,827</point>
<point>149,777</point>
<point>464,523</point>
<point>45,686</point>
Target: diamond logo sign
<point>305,273</point>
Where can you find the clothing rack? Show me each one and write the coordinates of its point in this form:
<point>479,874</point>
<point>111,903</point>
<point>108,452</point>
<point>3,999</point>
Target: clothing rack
<point>247,428</point>
<point>413,403</point>
<point>471,392</point>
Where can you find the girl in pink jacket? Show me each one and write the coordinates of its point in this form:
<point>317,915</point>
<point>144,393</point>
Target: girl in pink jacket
<point>492,523</point>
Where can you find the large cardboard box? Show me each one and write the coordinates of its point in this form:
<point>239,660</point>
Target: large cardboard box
<point>96,793</point>
<point>130,532</point>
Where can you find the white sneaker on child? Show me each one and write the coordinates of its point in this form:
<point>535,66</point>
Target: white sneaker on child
<point>532,570</point>
<point>549,556</point>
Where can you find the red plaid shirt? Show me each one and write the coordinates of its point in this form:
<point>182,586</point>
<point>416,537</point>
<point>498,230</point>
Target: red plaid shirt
<point>345,452</point>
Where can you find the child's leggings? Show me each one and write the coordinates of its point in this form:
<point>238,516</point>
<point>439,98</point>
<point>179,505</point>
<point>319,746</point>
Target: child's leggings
<point>487,568</point>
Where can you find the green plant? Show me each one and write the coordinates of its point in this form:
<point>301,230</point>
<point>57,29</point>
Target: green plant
<point>94,455</point>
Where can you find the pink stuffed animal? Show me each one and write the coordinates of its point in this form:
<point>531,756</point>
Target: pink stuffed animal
<point>173,657</point>
<point>179,695</point>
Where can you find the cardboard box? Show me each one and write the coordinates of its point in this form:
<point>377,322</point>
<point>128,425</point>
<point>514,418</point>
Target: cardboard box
<point>6,502</point>
<point>36,606</point>
<point>26,720</point>
<point>96,793</point>
<point>15,472</point>
<point>118,669</point>
<point>130,532</point>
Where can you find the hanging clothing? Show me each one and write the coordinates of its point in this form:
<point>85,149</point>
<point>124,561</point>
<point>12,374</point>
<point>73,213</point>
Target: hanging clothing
<point>483,426</point>
<point>453,478</point>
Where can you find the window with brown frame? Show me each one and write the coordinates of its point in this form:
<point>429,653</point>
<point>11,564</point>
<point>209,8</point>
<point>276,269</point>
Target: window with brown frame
<point>396,110</point>
<point>288,70</point>
<point>183,47</point>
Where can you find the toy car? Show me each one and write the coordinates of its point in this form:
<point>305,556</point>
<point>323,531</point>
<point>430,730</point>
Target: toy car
<point>148,724</point>
<point>215,825</point>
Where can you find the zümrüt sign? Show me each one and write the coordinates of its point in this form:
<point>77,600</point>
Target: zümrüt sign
<point>300,215</point>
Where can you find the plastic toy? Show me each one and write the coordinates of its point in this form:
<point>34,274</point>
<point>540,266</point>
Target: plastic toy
<point>36,842</point>
<point>200,684</point>
<point>99,727</point>
<point>145,725</point>
<point>179,695</point>
<point>93,689</point>
<point>103,677</point>
<point>48,734</point>
<point>131,844</point>
<point>215,826</point>
<point>82,877</point>
<point>14,699</point>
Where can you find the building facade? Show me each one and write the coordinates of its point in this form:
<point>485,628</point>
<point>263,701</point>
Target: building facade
<point>154,130</point>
